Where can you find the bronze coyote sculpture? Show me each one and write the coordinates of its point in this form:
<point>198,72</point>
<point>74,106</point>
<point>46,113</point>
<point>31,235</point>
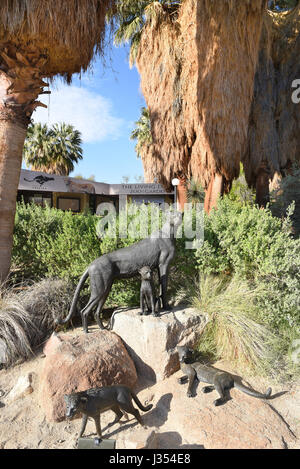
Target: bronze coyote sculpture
<point>93,402</point>
<point>220,381</point>
<point>156,251</point>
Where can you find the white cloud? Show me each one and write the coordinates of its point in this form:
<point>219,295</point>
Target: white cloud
<point>89,112</point>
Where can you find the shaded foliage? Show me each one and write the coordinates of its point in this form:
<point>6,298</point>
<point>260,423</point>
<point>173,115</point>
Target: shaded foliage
<point>287,193</point>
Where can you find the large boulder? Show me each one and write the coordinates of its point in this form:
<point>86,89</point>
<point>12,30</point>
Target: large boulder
<point>75,362</point>
<point>151,341</point>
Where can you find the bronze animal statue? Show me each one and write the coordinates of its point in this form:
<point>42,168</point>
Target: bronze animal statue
<point>220,381</point>
<point>93,402</point>
<point>156,251</point>
<point>148,301</point>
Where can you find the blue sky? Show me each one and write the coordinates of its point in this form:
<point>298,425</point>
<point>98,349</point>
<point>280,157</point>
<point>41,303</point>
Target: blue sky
<point>104,105</point>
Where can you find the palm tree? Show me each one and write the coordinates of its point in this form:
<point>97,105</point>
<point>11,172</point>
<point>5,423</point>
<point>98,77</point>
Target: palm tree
<point>53,150</point>
<point>130,17</point>
<point>38,40</point>
<point>217,82</point>
<point>142,132</point>
<point>197,128</point>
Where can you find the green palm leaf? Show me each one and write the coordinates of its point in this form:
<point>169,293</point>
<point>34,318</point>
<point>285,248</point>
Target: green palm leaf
<point>55,150</point>
<point>142,131</point>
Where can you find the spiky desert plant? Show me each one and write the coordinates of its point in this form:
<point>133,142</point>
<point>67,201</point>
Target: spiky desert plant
<point>16,326</point>
<point>195,192</point>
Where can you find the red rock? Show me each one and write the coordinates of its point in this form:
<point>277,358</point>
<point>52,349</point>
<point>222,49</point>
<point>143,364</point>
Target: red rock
<point>75,362</point>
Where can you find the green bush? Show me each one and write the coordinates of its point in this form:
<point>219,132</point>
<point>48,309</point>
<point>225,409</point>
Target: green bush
<point>53,243</point>
<point>244,240</point>
<point>241,242</point>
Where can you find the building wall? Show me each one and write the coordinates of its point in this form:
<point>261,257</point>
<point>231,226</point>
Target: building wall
<point>84,199</point>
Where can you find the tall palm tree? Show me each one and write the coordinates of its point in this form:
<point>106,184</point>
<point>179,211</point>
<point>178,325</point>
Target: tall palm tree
<point>142,132</point>
<point>197,62</point>
<point>38,40</point>
<point>53,150</point>
<point>130,17</point>
<point>218,85</point>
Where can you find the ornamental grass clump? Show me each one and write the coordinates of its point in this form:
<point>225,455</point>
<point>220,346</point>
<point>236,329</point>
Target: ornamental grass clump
<point>27,318</point>
<point>233,332</point>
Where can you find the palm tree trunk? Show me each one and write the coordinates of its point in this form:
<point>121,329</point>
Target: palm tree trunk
<point>273,136</point>
<point>181,193</point>
<point>20,85</point>
<point>214,192</point>
<point>12,136</point>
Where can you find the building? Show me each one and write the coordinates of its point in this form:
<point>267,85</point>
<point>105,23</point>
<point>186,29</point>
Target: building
<point>80,195</point>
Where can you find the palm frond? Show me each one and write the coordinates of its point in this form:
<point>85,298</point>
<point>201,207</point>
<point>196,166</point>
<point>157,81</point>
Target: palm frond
<point>131,16</point>
<point>55,150</point>
<point>142,131</point>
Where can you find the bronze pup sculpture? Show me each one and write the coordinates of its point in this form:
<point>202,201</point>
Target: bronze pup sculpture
<point>156,251</point>
<point>147,295</point>
<point>93,402</point>
<point>221,381</point>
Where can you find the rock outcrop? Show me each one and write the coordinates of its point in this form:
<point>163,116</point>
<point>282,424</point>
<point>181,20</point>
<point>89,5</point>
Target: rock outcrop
<point>151,341</point>
<point>76,362</point>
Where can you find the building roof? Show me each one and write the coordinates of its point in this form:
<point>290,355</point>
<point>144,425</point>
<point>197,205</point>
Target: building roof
<point>43,182</point>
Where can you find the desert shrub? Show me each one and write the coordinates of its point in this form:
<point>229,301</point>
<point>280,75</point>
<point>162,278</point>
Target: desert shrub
<point>235,331</point>
<point>27,318</point>
<point>33,225</point>
<point>52,243</point>
<point>240,191</point>
<point>243,240</point>
<point>74,246</point>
